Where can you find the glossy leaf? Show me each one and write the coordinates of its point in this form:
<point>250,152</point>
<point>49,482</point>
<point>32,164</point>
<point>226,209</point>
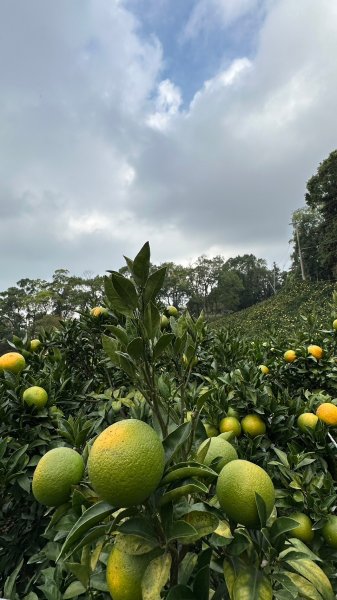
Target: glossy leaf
<point>156,576</point>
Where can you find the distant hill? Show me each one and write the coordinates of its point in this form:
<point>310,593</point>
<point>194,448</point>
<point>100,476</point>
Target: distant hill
<point>285,312</point>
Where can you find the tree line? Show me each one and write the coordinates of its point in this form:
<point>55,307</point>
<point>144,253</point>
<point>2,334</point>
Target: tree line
<point>215,285</point>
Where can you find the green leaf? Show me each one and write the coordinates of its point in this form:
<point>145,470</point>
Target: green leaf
<point>141,265</point>
<point>73,590</point>
<point>126,364</point>
<point>314,574</point>
<point>91,536</point>
<point>280,526</point>
<point>154,285</point>
<point>304,587</point>
<point>120,333</point>
<point>180,530</point>
<point>134,544</point>
<point>261,509</point>
<point>98,582</point>
<point>10,581</point>
<point>156,576</point>
<point>186,470</point>
<point>251,584</point>
<point>163,343</point>
<point>180,592</point>
<point>110,347</point>
<point>139,526</point>
<point>136,348</point>
<point>82,572</point>
<point>203,522</point>
<point>202,399</point>
<point>201,583</point>
<point>126,291</point>
<point>175,440</point>
<point>152,320</point>
<point>282,456</point>
<point>194,487</point>
<point>92,516</point>
<point>117,304</point>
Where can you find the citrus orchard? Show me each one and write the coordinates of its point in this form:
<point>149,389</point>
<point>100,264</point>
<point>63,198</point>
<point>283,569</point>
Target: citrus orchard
<point>126,463</point>
<point>54,475</point>
<point>237,485</point>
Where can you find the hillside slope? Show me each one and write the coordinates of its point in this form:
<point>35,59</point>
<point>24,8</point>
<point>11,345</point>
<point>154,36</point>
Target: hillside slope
<point>298,304</point>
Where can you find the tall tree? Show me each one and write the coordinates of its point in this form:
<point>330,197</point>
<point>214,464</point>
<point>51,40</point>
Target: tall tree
<point>322,195</point>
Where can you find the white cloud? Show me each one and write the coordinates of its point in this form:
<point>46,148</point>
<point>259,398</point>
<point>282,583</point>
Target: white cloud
<point>97,154</point>
<point>167,105</point>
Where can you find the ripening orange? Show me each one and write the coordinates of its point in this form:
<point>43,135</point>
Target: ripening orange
<point>327,412</point>
<point>315,351</point>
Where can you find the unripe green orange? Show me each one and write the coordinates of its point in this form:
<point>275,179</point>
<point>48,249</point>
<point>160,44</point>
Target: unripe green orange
<point>164,322</point>
<point>304,530</point>
<point>54,475</point>
<point>35,396</point>
<point>307,420</point>
<point>264,369</point>
<point>329,531</point>
<point>35,345</point>
<point>253,425</point>
<point>172,311</point>
<point>334,324</point>
<point>230,424</point>
<point>126,463</point>
<point>218,448</point>
<point>238,483</point>
<point>124,574</point>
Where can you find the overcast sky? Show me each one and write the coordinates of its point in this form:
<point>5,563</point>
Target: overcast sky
<point>194,124</point>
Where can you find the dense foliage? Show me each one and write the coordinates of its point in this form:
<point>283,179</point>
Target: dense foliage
<point>177,375</point>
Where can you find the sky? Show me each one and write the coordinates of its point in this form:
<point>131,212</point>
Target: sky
<point>194,124</point>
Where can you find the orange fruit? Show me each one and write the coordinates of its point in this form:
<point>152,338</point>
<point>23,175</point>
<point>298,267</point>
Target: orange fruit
<point>329,531</point>
<point>237,485</point>
<point>327,412</point>
<point>172,311</point>
<point>35,396</point>
<point>289,356</point>
<point>230,424</point>
<point>253,425</point>
<point>164,322</point>
<point>264,369</point>
<point>13,362</point>
<point>98,311</point>
<point>304,530</point>
<point>126,463</point>
<point>218,448</point>
<point>315,351</point>
<point>54,475</point>
<point>307,420</point>
<point>334,324</point>
<point>124,574</point>
<point>35,345</point>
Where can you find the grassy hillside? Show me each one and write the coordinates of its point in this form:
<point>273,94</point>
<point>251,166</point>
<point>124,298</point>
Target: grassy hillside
<point>297,305</point>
